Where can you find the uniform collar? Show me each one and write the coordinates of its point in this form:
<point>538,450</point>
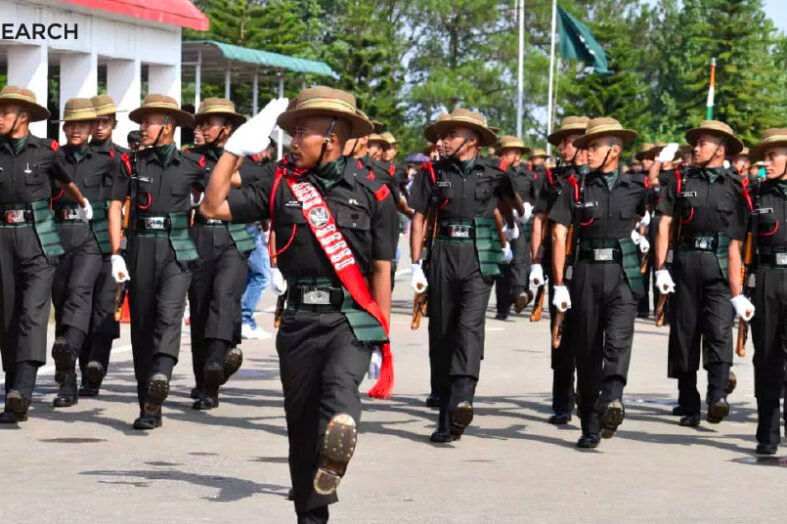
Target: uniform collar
<point>78,153</point>
<point>16,145</point>
<point>103,146</point>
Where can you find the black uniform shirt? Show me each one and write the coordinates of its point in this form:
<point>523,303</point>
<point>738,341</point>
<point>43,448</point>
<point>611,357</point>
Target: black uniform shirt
<point>361,206</point>
<point>550,187</point>
<point>470,195</point>
<point>384,173</point>
<point>100,175</point>
<point>606,214</point>
<point>771,203</point>
<point>163,189</point>
<point>29,176</point>
<point>526,182</point>
<point>702,206</point>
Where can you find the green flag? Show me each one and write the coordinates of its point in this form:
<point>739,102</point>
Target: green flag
<point>576,41</point>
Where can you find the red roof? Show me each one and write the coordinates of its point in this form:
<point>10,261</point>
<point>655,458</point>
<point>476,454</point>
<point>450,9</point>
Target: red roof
<point>174,12</point>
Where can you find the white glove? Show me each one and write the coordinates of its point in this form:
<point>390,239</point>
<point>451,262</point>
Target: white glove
<point>278,283</point>
<point>508,255</point>
<point>562,299</point>
<point>418,278</point>
<point>85,213</point>
<point>664,282</point>
<point>645,221</point>
<point>198,202</point>
<point>635,236</point>
<point>743,307</point>
<point>266,237</point>
<point>644,244</point>
<point>668,153</point>
<point>119,270</point>
<point>512,233</point>
<point>537,275</point>
<point>376,364</point>
<point>253,136</point>
<point>727,164</point>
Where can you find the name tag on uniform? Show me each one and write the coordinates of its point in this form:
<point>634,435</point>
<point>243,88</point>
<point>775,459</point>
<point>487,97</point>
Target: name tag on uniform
<point>763,211</point>
<point>293,204</point>
<point>443,183</point>
<point>688,194</point>
<point>144,179</point>
<point>603,254</point>
<point>587,205</point>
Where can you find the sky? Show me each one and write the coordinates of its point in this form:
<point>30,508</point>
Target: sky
<point>773,8</point>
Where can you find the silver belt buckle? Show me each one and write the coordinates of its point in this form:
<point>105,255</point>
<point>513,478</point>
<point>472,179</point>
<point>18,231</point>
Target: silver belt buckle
<point>70,214</point>
<point>155,223</point>
<point>459,231</point>
<point>781,259</point>
<point>213,221</point>
<point>603,255</point>
<point>315,297</point>
<point>703,243</point>
<point>15,216</point>
<point>670,256</point>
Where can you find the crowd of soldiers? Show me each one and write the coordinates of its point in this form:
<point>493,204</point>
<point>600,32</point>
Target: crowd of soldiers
<point>84,223</point>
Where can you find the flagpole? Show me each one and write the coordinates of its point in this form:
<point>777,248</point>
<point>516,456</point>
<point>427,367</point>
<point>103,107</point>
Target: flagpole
<point>520,9</point>
<point>711,91</point>
<point>557,84</point>
<point>551,75</point>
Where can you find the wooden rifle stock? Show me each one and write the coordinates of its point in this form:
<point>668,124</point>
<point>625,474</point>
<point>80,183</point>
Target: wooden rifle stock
<point>538,304</point>
<point>743,326</point>
<point>660,309</point>
<point>420,299</point>
<point>560,316</point>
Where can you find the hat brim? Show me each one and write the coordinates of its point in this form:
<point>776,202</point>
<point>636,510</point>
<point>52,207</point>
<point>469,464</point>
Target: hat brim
<point>35,112</point>
<point>76,119</point>
<point>627,136</point>
<point>525,150</point>
<point>359,126</point>
<point>181,118</point>
<point>733,145</point>
<point>756,153</point>
<point>236,119</point>
<point>558,135</point>
<point>106,112</point>
<point>488,137</point>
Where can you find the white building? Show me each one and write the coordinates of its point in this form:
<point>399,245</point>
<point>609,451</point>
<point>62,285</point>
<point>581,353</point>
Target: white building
<point>123,38</point>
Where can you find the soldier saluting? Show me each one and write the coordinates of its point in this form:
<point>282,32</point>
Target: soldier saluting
<point>764,219</point>
<point>159,250</point>
<point>334,225</point>
<point>698,209</point>
<point>103,180</point>
<point>601,209</point>
<point>29,244</point>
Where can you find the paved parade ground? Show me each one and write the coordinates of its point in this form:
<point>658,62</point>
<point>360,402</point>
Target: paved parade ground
<point>86,464</point>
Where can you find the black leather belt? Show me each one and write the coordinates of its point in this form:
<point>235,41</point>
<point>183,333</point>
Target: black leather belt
<point>600,255</point>
<point>457,231</point>
<point>17,216</point>
<point>199,219</point>
<point>153,224</point>
<point>774,259</point>
<point>314,297</point>
<point>700,243</point>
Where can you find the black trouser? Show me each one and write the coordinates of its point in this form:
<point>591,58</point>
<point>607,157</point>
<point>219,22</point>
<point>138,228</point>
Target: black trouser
<point>514,277</point>
<point>602,330</point>
<point>217,283</point>
<point>700,319</point>
<point>769,334</point>
<point>72,291</point>
<point>26,276</point>
<point>503,297</point>
<point>561,358</point>
<point>458,298</point>
<point>103,326</point>
<point>157,299</point>
<point>321,364</point>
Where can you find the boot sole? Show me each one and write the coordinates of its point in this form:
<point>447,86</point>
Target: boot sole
<point>158,389</point>
<point>64,361</point>
<point>95,373</point>
<point>338,447</point>
<point>233,360</point>
<point>717,413</point>
<point>16,404</point>
<point>461,417</point>
<point>611,418</point>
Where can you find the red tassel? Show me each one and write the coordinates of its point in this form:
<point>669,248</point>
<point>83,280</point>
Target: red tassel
<point>384,385</point>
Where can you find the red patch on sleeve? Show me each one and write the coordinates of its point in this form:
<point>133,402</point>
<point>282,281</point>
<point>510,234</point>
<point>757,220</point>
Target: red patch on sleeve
<point>647,183</point>
<point>111,152</point>
<point>202,161</point>
<point>680,181</point>
<point>360,165</point>
<point>503,165</point>
<point>370,176</point>
<point>126,162</point>
<point>575,183</point>
<point>255,158</point>
<point>382,193</point>
<point>391,170</point>
<point>54,146</point>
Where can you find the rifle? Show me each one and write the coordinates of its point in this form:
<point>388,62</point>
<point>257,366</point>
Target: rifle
<point>747,273</point>
<point>120,289</point>
<point>677,230</point>
<point>281,300</point>
<point>420,299</point>
<point>571,240</point>
<point>538,302</point>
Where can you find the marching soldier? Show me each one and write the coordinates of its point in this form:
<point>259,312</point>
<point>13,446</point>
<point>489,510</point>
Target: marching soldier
<point>94,355</point>
<point>552,183</point>
<point>338,288</point>
<point>160,250</point>
<point>601,209</point>
<point>538,159</point>
<point>463,190</point>
<point>764,211</point>
<point>103,180</point>
<point>512,284</point>
<point>29,244</point>
<point>219,275</point>
<point>643,234</point>
<point>698,210</point>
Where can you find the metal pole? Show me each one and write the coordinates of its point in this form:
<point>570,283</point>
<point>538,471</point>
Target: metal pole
<point>551,74</point>
<point>520,8</point>
<point>227,81</point>
<point>557,84</point>
<point>255,97</point>
<point>198,80</point>
<point>279,137</point>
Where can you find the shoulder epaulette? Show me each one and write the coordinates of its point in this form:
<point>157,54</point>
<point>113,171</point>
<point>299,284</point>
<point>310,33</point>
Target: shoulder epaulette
<point>54,146</point>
